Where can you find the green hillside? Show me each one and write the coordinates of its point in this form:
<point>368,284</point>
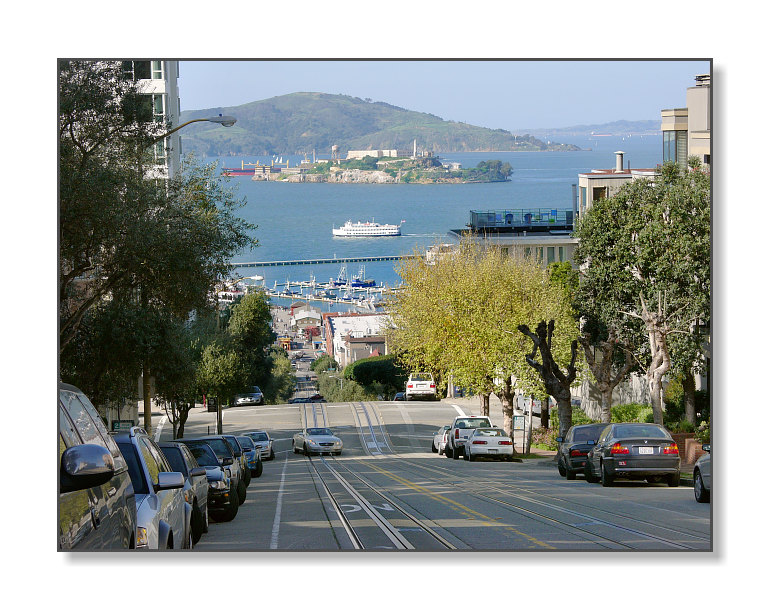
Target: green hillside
<point>302,122</point>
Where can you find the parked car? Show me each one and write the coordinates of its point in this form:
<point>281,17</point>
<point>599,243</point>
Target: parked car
<point>196,486</point>
<point>420,385</point>
<point>701,474</point>
<point>253,397</point>
<point>316,440</point>
<point>461,429</point>
<point>222,450</point>
<point>97,505</point>
<point>443,442</point>
<point>574,448</point>
<point>488,442</point>
<point>240,456</point>
<point>253,455</point>
<point>399,396</point>
<point>223,500</point>
<point>633,451</point>
<point>163,518</point>
<point>315,398</point>
<point>262,440</point>
<point>438,435</point>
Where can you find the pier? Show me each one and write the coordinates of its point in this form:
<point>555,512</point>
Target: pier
<point>327,261</point>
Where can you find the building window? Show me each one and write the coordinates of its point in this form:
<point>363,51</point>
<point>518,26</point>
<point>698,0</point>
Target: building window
<point>136,70</point>
<point>562,254</point>
<point>599,192</point>
<point>551,255</point>
<point>158,115</point>
<point>675,146</point>
<point>157,70</point>
<point>583,201</point>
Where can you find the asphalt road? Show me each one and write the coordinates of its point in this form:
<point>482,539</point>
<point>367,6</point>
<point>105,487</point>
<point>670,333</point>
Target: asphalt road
<point>389,491</point>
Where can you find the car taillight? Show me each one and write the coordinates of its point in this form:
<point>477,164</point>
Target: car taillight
<point>432,386</point>
<point>504,443</point>
<point>409,385</point>
<point>671,450</point>
<point>457,433</point>
<point>578,453</point>
<point>479,442</point>
<point>617,448</point>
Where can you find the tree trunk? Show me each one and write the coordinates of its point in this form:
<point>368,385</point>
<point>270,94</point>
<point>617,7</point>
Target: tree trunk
<point>147,398</point>
<point>484,403</point>
<point>688,386</point>
<point>507,396</point>
<point>565,414</point>
<point>183,413</point>
<point>606,392</point>
<point>545,409</point>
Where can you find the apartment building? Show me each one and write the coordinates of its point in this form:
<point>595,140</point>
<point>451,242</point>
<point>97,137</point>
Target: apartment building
<point>687,131</point>
<point>351,337</point>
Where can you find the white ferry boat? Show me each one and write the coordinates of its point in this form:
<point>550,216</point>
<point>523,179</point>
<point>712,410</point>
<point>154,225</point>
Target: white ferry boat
<point>367,229</point>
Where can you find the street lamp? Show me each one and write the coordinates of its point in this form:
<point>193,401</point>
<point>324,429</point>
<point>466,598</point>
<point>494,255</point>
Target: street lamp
<point>225,121</point>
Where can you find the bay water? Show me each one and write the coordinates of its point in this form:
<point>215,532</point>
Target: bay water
<point>294,220</point>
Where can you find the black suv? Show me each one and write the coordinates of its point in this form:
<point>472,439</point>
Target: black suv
<point>97,508</point>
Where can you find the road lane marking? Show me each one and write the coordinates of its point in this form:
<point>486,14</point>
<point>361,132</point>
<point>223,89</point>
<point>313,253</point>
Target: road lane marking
<point>279,504</point>
<point>460,411</point>
<point>468,512</point>
<point>162,421</point>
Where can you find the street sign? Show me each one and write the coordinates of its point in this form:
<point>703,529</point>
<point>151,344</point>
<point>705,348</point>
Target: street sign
<point>122,424</point>
<point>518,422</point>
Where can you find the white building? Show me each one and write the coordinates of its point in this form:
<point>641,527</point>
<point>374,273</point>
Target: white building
<point>351,337</point>
<point>158,80</point>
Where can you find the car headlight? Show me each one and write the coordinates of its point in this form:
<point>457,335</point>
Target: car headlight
<point>141,537</point>
<point>311,441</point>
<point>218,485</point>
<point>188,496</point>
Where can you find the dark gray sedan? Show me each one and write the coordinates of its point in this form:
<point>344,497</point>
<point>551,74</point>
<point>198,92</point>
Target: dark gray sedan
<point>574,448</point>
<point>633,451</point>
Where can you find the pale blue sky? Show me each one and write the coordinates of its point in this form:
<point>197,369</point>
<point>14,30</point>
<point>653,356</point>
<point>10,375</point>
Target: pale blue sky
<point>511,95</point>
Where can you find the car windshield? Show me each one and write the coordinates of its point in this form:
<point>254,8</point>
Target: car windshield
<point>639,431</point>
<point>204,455</point>
<point>489,432</point>
<point>174,457</point>
<point>258,436</point>
<point>421,377</point>
<point>237,450</point>
<point>587,433</point>
<point>319,432</point>
<point>220,447</point>
<point>247,443</point>
<point>481,422</point>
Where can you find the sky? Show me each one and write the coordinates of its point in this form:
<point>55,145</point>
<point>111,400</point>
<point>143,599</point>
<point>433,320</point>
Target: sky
<point>510,95</point>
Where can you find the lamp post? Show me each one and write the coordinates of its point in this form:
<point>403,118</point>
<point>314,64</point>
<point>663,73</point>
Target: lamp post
<point>225,121</point>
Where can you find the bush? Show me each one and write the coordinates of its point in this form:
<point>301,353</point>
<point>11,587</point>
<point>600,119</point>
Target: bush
<point>324,363</point>
<point>578,418</point>
<point>681,426</point>
<point>631,412</point>
<point>381,370</point>
<point>703,433</point>
<point>545,438</point>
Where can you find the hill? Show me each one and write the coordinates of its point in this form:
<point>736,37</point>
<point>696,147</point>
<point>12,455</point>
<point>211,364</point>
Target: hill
<point>615,128</point>
<point>303,122</point>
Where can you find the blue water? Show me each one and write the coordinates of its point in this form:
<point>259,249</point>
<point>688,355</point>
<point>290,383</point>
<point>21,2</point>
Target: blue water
<point>295,220</point>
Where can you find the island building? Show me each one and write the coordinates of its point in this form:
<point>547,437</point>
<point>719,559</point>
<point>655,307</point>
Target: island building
<point>349,337</point>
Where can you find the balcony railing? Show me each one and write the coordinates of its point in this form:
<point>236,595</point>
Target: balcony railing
<point>532,219</point>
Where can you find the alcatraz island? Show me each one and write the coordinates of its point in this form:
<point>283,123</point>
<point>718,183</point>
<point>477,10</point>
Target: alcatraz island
<point>376,167</point>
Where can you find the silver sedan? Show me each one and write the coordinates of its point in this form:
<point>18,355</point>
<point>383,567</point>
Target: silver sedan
<point>438,436</point>
<point>316,440</point>
<point>264,442</point>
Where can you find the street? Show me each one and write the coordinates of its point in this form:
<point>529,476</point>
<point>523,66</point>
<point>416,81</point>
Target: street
<point>388,491</point>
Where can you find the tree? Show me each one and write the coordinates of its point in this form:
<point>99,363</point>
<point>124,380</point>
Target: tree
<point>646,259</point>
<point>250,329</point>
<point>166,242</point>
<point>459,316</point>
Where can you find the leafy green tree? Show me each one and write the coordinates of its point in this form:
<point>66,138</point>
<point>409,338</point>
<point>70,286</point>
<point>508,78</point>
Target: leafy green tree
<point>324,363</point>
<point>646,259</point>
<point>280,385</point>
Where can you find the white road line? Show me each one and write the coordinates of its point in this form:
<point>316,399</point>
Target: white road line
<point>277,520</point>
<point>159,429</point>
<point>460,411</point>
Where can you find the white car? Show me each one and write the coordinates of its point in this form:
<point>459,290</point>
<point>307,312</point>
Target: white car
<point>438,436</point>
<point>420,385</point>
<point>489,442</point>
<point>461,429</point>
<point>262,440</point>
<point>316,440</point>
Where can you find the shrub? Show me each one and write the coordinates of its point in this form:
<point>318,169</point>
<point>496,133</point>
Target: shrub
<point>579,417</point>
<point>703,433</point>
<point>631,412</point>
<point>381,370</point>
<point>323,363</point>
<point>681,426</point>
<point>545,438</point>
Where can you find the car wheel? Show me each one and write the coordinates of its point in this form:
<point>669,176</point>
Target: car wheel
<point>469,456</point>
<point>455,453</point>
<point>701,493</point>
<point>448,451</point>
<point>196,523</point>
<point>607,479</point>
<point>433,447</point>
<point>190,542</point>
<point>294,447</point>
<point>206,521</point>
<point>560,467</point>
<point>241,492</point>
<point>272,454</point>
<point>673,480</point>
<point>258,469</point>
<point>232,507</point>
<point>589,475</point>
<point>247,476</point>
<point>306,451</point>
<point>570,474</point>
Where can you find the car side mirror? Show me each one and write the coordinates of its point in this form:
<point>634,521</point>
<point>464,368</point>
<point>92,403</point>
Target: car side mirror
<point>227,461</point>
<point>85,466</point>
<point>559,439</point>
<point>707,448</point>
<point>169,480</point>
<point>198,472</point>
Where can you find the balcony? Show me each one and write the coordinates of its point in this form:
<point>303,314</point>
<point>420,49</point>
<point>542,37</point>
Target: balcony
<point>535,220</point>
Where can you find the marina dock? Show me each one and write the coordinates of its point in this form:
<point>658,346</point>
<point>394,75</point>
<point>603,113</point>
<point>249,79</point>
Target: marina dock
<point>327,261</point>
